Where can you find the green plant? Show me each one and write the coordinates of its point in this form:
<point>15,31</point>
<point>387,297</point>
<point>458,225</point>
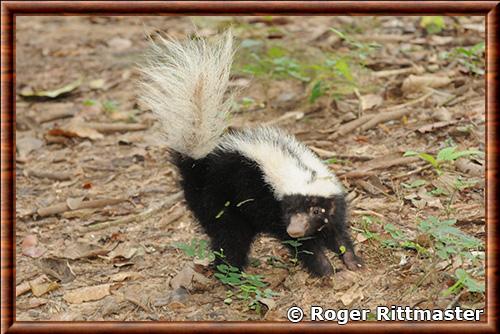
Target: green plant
<point>464,280</point>
<point>444,156</point>
<point>296,243</point>
<point>275,63</point>
<point>414,184</point>
<point>246,287</point>
<point>325,73</point>
<point>365,222</point>
<point>109,106</point>
<point>432,24</point>
<point>362,50</point>
<point>334,75</point>
<point>398,239</point>
<point>448,239</point>
<point>472,57</point>
<point>89,102</point>
<point>196,249</point>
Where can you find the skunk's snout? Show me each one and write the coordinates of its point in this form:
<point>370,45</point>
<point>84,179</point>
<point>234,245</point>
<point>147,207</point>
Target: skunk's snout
<point>298,226</point>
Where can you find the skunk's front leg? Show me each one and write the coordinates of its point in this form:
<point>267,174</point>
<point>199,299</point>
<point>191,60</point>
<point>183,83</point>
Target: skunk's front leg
<point>312,257</point>
<point>339,241</point>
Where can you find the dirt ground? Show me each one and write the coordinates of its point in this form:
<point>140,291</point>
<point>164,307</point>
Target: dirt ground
<point>98,210</point>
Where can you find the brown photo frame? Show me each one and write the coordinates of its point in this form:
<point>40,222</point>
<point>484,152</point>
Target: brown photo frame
<point>10,9</point>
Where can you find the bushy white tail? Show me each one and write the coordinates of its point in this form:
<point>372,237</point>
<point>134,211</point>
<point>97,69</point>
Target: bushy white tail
<point>184,85</point>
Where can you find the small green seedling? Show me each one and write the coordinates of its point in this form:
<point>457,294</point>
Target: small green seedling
<point>472,58</point>
<point>109,106</point>
<point>197,249</point>
<point>362,50</point>
<point>446,155</point>
<point>296,243</point>
<point>414,184</point>
<point>89,103</point>
<point>464,280</point>
<point>448,239</point>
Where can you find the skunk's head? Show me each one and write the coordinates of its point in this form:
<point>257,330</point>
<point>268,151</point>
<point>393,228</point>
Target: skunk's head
<point>306,215</point>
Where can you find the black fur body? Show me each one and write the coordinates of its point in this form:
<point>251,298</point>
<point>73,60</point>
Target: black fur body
<point>228,196</point>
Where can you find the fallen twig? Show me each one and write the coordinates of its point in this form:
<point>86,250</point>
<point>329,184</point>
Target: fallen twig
<point>63,207</point>
<point>455,300</point>
<point>383,38</point>
<point>390,73</point>
<point>322,153</point>
<point>296,115</point>
<point>351,126</point>
<point>59,176</point>
<point>357,174</point>
<point>56,139</point>
<point>384,117</point>
<point>368,121</point>
<point>435,126</point>
<point>366,212</point>
<point>468,167</point>
<point>415,171</point>
<point>380,163</point>
<point>395,112</point>
<point>116,127</point>
<point>328,154</point>
<point>51,115</point>
<point>170,200</point>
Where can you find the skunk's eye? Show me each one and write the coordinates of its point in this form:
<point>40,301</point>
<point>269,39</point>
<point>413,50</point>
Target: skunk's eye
<point>315,211</point>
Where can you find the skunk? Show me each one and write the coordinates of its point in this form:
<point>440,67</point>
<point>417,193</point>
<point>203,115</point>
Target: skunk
<point>241,183</point>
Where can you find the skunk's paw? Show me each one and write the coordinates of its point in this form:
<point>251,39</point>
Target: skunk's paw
<point>352,262</point>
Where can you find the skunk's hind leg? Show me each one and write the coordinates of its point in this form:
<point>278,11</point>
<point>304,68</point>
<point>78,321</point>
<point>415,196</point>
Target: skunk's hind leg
<point>232,236</point>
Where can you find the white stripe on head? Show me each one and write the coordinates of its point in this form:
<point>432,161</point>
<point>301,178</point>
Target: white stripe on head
<point>289,167</point>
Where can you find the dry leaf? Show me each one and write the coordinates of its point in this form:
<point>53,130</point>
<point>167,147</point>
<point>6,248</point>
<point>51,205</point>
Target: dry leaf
<point>39,289</point>
<point>360,237</point>
<point>353,294</point>
<point>57,268</point>
<point>28,92</point>
<point>467,166</point>
<point>96,84</point>
<point>31,303</point>
<point>81,250</point>
<point>86,294</point>
<point>29,247</point>
<point>370,101</point>
<point>176,305</point>
<point>188,278</point>
<point>119,44</point>
<point>25,286</point>
<point>29,241</point>
<point>276,277</point>
<point>26,144</point>
<point>119,277</point>
<point>183,278</point>
<point>269,302</point>
<point>442,114</point>
<point>124,250</point>
<point>78,127</point>
<point>74,202</point>
<point>296,115</point>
